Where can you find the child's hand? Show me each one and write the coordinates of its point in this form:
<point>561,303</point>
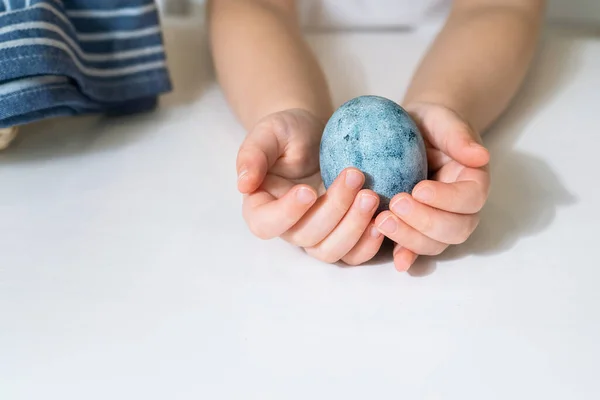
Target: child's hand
<point>444,210</point>
<point>283,149</point>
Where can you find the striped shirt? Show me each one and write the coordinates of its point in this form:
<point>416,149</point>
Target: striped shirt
<point>71,57</point>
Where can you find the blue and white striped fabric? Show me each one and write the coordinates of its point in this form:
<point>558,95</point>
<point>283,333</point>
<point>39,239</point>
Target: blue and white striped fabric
<point>70,57</point>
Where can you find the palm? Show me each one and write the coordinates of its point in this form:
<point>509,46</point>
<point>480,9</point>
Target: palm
<point>435,122</point>
<point>441,167</point>
<point>298,133</point>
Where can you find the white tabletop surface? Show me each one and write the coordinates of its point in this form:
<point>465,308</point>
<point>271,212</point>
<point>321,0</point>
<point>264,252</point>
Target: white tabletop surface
<point>127,272</point>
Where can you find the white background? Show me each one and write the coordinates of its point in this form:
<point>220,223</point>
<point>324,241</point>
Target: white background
<point>575,10</point>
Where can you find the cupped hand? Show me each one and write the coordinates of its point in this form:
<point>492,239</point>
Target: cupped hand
<point>278,173</point>
<point>443,210</point>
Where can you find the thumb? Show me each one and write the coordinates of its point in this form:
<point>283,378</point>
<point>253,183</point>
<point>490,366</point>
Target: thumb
<point>462,147</point>
<point>449,133</point>
<point>257,154</point>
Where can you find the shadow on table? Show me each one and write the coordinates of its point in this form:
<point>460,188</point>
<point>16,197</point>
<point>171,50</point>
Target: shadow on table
<point>526,192</point>
<point>191,71</point>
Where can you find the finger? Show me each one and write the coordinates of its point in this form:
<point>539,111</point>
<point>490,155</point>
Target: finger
<point>462,197</point>
<point>436,159</point>
<point>269,217</point>
<point>328,211</point>
<point>407,236</point>
<point>276,186</point>
<point>366,248</point>
<point>403,258</point>
<point>443,226</point>
<point>252,168</point>
<point>259,151</point>
<point>349,231</point>
<point>448,132</point>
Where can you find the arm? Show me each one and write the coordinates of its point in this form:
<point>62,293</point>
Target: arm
<point>479,59</point>
<point>276,88</point>
<point>263,63</point>
<point>465,81</point>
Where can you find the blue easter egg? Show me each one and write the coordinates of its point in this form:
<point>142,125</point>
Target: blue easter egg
<point>377,136</point>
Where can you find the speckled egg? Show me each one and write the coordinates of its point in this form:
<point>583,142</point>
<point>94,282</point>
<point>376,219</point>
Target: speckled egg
<point>377,136</point>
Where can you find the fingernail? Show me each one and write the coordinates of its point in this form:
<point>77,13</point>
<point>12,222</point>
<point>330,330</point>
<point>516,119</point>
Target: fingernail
<point>305,195</point>
<point>401,206</point>
<point>375,232</point>
<point>367,202</point>
<point>402,266</point>
<point>354,179</point>
<point>243,172</point>
<point>424,194</point>
<point>401,263</point>
<point>388,225</point>
<point>474,144</point>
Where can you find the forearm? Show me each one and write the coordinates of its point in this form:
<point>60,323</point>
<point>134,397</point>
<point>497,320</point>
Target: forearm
<point>478,61</point>
<point>262,62</point>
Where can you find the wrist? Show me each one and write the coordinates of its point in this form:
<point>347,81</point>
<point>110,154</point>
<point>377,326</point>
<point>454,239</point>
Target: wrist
<point>321,112</point>
<point>291,123</point>
<point>454,103</point>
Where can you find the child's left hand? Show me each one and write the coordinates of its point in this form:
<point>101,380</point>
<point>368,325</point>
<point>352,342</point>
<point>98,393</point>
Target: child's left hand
<point>444,210</point>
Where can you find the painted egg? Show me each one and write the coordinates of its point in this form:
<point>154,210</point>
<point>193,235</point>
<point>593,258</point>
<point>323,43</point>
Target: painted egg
<point>378,137</point>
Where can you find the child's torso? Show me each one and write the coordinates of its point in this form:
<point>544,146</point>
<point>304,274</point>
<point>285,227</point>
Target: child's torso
<point>370,13</point>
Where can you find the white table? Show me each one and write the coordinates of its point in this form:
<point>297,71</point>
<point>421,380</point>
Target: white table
<point>127,272</point>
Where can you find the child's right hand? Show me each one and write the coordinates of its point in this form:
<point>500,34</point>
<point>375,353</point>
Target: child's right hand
<point>283,149</point>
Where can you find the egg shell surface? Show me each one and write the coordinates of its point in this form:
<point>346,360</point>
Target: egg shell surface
<point>378,137</point>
